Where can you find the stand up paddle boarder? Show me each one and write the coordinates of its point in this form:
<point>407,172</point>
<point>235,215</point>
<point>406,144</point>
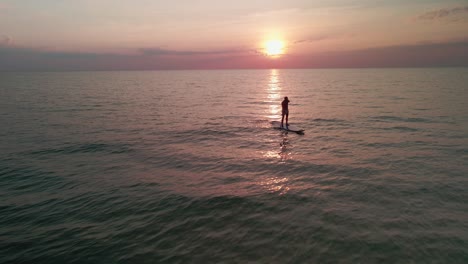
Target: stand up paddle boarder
<point>284,111</point>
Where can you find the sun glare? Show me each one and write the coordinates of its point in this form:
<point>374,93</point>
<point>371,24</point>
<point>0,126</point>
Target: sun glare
<point>274,48</point>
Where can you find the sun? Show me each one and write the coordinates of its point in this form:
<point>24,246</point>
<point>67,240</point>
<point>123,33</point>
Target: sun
<point>274,48</point>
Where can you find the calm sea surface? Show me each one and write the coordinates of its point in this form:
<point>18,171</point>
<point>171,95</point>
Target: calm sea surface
<point>185,167</point>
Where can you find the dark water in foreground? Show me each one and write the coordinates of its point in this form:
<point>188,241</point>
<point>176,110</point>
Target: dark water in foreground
<point>184,167</point>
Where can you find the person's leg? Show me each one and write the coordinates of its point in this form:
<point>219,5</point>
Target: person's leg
<point>282,119</point>
<point>287,117</point>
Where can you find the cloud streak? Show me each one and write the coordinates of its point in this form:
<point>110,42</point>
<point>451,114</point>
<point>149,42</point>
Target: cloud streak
<point>163,52</point>
<point>5,40</point>
<point>322,37</point>
<point>419,55</point>
<point>444,12</point>
<point>313,39</point>
<point>15,58</point>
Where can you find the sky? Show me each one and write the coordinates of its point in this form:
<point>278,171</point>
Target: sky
<point>213,34</point>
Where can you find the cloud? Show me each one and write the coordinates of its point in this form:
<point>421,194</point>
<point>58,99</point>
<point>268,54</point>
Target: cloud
<point>20,58</point>
<point>451,54</point>
<point>444,12</point>
<point>15,58</point>
<point>162,52</point>
<point>321,37</point>
<point>313,39</point>
<point>5,40</point>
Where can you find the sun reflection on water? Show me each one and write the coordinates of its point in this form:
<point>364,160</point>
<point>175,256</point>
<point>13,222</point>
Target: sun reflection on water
<point>281,150</point>
<point>276,184</point>
<point>273,95</point>
<point>283,153</point>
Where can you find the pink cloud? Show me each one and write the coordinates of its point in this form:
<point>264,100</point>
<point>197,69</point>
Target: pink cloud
<point>420,55</point>
<point>5,40</point>
<point>163,52</point>
<point>325,36</point>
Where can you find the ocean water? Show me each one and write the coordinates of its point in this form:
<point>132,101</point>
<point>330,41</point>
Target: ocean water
<point>185,167</point>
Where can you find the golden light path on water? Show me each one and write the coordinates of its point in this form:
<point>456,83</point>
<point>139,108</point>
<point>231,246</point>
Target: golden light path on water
<point>274,96</point>
<point>281,152</point>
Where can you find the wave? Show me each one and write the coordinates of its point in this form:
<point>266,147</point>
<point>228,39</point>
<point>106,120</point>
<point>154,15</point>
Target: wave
<point>84,148</point>
<point>401,119</point>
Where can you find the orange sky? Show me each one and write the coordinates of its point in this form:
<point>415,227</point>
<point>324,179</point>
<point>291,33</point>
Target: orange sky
<point>143,34</point>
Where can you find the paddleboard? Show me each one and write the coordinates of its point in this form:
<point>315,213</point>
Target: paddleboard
<point>290,128</point>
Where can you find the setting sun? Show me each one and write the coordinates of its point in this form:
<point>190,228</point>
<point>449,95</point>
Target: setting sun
<point>274,48</point>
